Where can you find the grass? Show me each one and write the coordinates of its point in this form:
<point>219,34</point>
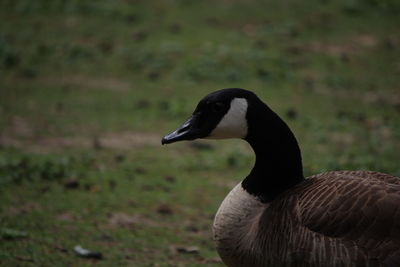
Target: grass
<point>87,90</point>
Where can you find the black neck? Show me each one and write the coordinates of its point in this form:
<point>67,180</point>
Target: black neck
<point>278,165</point>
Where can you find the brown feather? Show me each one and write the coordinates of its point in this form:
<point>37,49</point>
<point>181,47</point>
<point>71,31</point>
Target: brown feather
<point>363,211</point>
<point>337,218</point>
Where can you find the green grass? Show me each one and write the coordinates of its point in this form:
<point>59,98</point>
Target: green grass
<point>88,88</point>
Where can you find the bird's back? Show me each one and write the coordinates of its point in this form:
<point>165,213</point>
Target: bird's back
<point>344,218</point>
<point>358,208</point>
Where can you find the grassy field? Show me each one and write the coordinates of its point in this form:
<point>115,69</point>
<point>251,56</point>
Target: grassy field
<point>88,88</point>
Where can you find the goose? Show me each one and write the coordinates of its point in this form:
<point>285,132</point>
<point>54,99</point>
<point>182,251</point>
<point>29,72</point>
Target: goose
<point>276,216</point>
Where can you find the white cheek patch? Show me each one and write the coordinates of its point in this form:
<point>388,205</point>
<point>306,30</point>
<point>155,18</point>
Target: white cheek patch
<point>234,123</point>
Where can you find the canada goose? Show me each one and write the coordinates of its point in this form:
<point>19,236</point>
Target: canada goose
<point>276,217</point>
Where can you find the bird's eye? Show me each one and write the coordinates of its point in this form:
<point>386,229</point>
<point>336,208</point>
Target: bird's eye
<point>217,107</point>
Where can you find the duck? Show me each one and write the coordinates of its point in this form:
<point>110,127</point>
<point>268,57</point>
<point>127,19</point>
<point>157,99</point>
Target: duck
<point>277,217</point>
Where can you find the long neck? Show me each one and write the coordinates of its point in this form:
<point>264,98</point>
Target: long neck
<point>278,165</point>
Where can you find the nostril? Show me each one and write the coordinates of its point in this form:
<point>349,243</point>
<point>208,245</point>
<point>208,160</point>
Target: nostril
<point>184,128</point>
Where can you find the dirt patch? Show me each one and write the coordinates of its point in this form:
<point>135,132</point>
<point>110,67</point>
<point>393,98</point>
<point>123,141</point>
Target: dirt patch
<point>125,220</point>
<point>120,219</point>
<point>389,97</point>
<point>20,127</point>
<point>353,45</point>
<point>66,216</point>
<point>81,81</point>
<point>22,209</point>
<point>124,140</point>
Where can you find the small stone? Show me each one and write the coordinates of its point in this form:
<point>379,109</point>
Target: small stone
<point>71,184</point>
<point>188,250</point>
<point>170,179</point>
<point>164,210</point>
<point>140,170</point>
<point>140,36</point>
<point>291,114</point>
<point>175,28</point>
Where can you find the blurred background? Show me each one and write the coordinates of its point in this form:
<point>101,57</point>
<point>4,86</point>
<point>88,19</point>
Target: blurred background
<point>88,88</point>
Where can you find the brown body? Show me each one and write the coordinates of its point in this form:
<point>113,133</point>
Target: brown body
<point>337,218</point>
<point>275,217</point>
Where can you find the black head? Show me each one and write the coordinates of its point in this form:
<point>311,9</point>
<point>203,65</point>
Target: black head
<point>221,114</point>
<point>238,113</point>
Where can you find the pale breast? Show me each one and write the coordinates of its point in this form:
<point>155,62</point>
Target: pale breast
<point>236,224</point>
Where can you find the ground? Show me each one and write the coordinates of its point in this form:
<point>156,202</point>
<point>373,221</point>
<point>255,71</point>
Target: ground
<point>88,89</point>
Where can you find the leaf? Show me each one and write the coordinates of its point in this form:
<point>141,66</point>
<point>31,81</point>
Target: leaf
<point>85,253</point>
<point>7,233</point>
<point>188,250</point>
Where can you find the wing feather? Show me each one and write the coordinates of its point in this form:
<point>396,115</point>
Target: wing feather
<point>359,207</point>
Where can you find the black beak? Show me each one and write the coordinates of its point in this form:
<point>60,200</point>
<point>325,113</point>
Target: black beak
<point>187,131</point>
